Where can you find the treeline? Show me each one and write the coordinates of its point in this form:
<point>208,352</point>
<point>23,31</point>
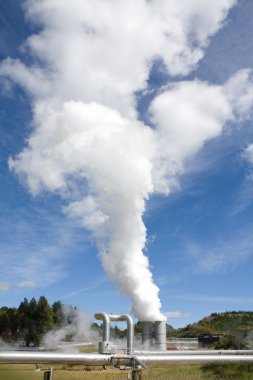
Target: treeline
<point>28,324</point>
<point>30,321</point>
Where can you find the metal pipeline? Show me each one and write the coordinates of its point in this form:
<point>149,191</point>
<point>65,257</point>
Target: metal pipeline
<point>53,357</point>
<point>107,318</point>
<point>193,352</point>
<point>166,359</point>
<point>130,329</point>
<point>102,316</point>
<point>98,359</point>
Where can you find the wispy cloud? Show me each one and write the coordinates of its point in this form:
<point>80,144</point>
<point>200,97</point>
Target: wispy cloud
<point>244,198</point>
<point>177,314</point>
<point>213,298</point>
<point>36,254</point>
<point>26,284</point>
<point>42,266</point>
<point>4,286</point>
<point>222,255</point>
<point>172,279</point>
<point>95,285</point>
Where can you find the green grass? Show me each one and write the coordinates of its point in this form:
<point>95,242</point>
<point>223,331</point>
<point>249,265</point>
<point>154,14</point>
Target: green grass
<point>171,372</point>
<point>88,349</point>
<point>201,372</point>
<point>20,372</point>
<point>233,370</point>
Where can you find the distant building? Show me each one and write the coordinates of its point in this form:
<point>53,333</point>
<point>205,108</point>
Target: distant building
<point>182,344</point>
<point>208,341</point>
<point>191,343</point>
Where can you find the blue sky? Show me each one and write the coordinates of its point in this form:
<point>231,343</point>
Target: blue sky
<point>199,237</point>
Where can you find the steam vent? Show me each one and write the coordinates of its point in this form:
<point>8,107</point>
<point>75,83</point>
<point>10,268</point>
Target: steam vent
<point>159,330</point>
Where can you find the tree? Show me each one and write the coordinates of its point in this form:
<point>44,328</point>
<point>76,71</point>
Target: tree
<point>58,315</point>
<point>44,318</point>
<point>36,318</point>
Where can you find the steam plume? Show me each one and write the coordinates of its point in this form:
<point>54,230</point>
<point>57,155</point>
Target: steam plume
<point>88,61</point>
<point>77,327</point>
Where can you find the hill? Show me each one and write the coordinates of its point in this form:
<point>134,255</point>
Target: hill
<point>235,328</point>
<point>219,324</point>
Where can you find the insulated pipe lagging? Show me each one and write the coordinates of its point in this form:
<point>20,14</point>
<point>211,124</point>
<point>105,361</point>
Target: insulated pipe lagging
<point>102,316</point>
<point>130,329</point>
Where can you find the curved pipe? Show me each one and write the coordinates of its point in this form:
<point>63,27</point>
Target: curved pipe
<point>102,316</point>
<point>121,317</point>
<point>130,329</point>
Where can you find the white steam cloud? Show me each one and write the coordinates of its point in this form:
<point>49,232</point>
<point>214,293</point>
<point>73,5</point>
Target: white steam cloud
<point>88,61</point>
<point>77,328</point>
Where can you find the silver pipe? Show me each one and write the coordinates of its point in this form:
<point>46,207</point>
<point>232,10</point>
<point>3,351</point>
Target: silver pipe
<point>102,316</point>
<point>156,359</point>
<point>107,318</point>
<point>146,330</point>
<point>53,357</point>
<point>97,359</point>
<point>194,352</point>
<point>130,329</point>
<point>160,335</point>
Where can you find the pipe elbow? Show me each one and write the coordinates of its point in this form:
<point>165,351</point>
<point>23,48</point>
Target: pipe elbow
<point>102,316</point>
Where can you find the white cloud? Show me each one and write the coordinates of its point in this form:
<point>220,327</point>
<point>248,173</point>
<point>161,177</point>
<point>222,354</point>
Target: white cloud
<point>103,50</point>
<point>98,282</point>
<point>244,197</point>
<point>41,267</point>
<point>189,113</point>
<point>239,92</point>
<point>88,211</point>
<point>26,284</point>
<point>32,79</point>
<point>177,314</point>
<point>4,286</point>
<point>248,154</point>
<point>214,298</point>
<point>36,254</point>
<point>222,255</point>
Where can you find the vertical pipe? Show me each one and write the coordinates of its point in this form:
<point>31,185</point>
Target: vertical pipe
<point>130,329</point>
<point>106,325</point>
<point>160,335</point>
<point>146,334</point>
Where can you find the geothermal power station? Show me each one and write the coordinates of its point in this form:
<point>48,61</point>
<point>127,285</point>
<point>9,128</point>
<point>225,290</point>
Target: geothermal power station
<point>154,351</point>
<point>148,328</point>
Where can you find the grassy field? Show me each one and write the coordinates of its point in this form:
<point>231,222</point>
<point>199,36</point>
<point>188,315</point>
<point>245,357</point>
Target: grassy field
<point>201,372</point>
<point>172,372</point>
